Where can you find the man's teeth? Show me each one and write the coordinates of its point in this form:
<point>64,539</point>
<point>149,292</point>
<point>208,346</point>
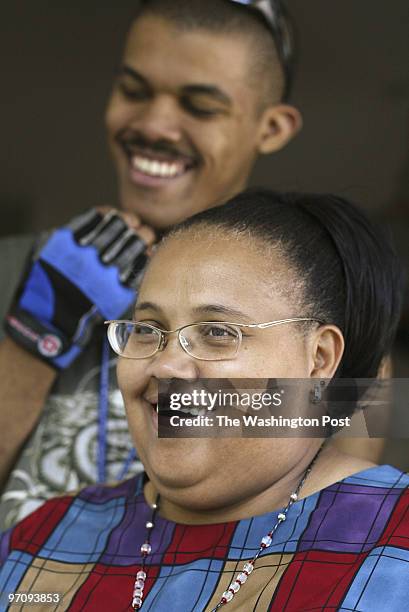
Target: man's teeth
<point>156,168</point>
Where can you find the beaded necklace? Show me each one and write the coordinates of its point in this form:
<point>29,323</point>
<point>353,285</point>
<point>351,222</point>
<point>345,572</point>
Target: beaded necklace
<point>235,586</point>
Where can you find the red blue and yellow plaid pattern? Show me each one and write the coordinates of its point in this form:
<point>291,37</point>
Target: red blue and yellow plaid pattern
<point>343,548</point>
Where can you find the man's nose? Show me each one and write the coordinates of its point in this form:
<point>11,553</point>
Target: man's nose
<point>173,362</point>
<point>160,119</point>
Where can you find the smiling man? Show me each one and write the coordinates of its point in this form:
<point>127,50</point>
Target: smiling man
<point>189,116</point>
<point>201,92</point>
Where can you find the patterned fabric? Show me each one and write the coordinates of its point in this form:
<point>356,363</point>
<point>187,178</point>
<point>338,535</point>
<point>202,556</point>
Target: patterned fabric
<point>343,548</point>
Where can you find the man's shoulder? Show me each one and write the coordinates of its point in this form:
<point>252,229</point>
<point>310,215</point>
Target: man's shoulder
<point>16,246</point>
<point>14,251</point>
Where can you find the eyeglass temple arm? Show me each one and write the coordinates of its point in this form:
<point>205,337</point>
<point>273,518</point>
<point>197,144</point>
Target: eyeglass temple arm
<point>282,321</point>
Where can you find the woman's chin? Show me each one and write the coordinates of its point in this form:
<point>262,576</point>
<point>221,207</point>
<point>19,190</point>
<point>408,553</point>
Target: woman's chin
<point>178,464</point>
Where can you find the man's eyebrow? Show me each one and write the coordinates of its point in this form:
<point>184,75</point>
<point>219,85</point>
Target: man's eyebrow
<point>219,309</point>
<point>207,90</point>
<point>124,69</point>
<point>198,89</point>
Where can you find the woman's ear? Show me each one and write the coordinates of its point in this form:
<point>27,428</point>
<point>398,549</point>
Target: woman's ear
<point>278,125</point>
<point>327,349</point>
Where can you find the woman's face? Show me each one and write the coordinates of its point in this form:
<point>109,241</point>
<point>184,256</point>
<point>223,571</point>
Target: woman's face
<point>194,277</point>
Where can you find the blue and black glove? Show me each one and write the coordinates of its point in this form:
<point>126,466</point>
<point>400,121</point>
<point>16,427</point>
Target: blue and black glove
<point>77,276</point>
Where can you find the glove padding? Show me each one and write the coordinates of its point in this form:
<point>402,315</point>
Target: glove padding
<point>78,276</point>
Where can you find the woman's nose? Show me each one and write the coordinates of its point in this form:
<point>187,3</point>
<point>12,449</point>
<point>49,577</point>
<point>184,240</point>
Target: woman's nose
<point>173,362</point>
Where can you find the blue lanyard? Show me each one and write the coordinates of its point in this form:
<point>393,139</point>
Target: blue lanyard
<point>103,408</point>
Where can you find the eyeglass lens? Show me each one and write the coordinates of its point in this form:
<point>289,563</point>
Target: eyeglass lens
<point>209,341</point>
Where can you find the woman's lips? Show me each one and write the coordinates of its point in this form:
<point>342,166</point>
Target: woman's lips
<point>152,407</point>
<point>155,418</point>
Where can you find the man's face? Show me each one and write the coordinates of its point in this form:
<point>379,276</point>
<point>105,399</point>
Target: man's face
<point>182,121</point>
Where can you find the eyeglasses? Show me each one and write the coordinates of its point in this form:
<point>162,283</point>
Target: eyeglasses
<point>278,20</point>
<point>206,341</point>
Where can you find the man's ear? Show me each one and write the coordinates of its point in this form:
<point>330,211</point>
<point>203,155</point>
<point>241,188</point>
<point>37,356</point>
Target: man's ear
<point>278,125</point>
<point>327,348</point>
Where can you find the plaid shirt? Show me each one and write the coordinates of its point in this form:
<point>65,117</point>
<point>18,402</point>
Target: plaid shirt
<point>343,548</point>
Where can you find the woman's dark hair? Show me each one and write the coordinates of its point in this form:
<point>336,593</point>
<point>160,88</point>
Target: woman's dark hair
<point>351,273</point>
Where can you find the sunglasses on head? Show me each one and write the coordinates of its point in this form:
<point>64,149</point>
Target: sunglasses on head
<point>278,21</point>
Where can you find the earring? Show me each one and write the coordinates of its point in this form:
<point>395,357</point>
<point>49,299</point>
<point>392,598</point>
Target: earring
<point>317,392</point>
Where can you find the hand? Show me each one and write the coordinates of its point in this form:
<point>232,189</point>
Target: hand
<point>78,276</point>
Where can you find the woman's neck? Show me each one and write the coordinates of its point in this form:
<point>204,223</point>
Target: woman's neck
<point>331,466</point>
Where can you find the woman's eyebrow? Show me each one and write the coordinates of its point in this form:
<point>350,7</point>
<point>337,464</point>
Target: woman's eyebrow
<point>203,309</point>
<point>220,309</point>
<point>148,306</point>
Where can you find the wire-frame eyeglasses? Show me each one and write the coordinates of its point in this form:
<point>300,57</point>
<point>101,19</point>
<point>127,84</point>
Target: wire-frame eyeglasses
<point>205,341</point>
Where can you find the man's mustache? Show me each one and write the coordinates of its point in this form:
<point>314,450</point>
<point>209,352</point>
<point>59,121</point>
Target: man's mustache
<point>161,146</point>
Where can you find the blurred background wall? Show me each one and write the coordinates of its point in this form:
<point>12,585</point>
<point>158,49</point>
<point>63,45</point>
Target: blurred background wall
<point>56,64</point>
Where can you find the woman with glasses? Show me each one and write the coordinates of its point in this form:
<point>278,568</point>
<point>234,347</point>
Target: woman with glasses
<point>268,286</point>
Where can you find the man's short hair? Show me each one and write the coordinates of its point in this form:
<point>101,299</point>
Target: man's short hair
<point>272,47</point>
